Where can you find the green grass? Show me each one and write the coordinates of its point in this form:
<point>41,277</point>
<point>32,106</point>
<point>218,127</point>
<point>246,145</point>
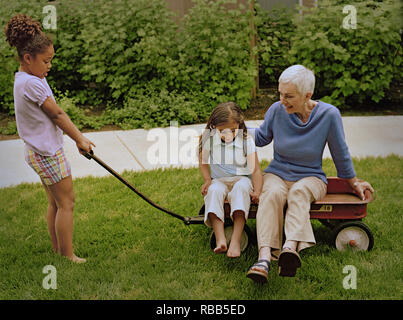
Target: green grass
<point>134,251</point>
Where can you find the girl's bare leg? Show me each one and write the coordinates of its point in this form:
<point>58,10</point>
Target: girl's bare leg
<point>63,195</point>
<point>51,218</point>
<point>218,228</point>
<point>234,250</point>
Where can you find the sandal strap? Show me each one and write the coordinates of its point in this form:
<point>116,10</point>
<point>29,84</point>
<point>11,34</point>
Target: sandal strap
<point>288,248</point>
<point>262,263</point>
<point>264,260</point>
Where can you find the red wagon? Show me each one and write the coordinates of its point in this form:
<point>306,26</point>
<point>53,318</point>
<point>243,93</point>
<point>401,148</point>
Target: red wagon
<point>341,210</point>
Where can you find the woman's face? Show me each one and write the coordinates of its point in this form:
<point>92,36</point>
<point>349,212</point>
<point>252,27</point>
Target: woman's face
<point>291,99</point>
<point>40,64</point>
<point>228,131</point>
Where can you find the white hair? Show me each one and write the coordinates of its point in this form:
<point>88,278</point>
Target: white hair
<point>302,77</point>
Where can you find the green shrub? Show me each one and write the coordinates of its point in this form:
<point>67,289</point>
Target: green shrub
<point>351,65</point>
<point>10,129</point>
<point>156,108</point>
<point>130,54</point>
<point>214,53</point>
<point>76,114</point>
<point>8,56</point>
<point>69,52</point>
<point>206,61</point>
<point>127,46</point>
<point>127,52</point>
<point>275,29</point>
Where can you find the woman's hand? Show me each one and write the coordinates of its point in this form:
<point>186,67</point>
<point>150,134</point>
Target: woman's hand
<point>360,187</point>
<point>205,186</point>
<point>255,196</point>
<point>257,177</point>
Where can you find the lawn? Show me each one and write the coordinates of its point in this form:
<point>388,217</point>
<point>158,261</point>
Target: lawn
<point>134,251</point>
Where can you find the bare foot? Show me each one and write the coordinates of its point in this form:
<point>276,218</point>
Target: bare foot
<point>234,250</point>
<point>76,259</point>
<point>221,247</point>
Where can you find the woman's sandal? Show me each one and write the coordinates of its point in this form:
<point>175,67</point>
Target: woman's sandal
<point>259,271</point>
<point>288,262</point>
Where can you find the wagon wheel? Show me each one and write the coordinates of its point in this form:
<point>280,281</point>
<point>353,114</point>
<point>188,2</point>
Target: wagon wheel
<point>353,234</point>
<point>245,238</point>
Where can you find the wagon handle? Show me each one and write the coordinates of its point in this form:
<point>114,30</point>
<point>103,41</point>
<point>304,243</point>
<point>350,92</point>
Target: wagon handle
<point>90,155</point>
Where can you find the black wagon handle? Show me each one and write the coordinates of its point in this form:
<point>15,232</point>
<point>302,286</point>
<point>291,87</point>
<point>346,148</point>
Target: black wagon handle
<point>90,155</point>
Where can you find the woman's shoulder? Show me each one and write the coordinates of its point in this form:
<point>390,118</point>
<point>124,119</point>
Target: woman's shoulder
<point>275,106</point>
<point>273,109</point>
<point>325,108</point>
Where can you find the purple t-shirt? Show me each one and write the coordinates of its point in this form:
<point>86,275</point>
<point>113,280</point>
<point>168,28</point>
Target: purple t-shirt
<point>33,125</point>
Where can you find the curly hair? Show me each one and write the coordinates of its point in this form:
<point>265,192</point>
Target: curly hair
<point>26,35</point>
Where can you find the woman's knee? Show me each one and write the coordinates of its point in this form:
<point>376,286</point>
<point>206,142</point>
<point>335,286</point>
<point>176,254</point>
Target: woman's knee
<point>309,188</point>
<point>274,194</point>
<point>300,192</point>
<point>273,187</point>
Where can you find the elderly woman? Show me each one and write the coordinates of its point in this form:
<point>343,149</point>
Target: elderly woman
<point>299,128</point>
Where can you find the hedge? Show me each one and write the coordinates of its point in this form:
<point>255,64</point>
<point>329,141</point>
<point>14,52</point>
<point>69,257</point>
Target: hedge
<point>8,61</point>
<point>130,57</point>
<point>352,65</point>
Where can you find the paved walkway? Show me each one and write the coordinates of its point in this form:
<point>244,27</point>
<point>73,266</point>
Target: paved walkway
<point>141,149</point>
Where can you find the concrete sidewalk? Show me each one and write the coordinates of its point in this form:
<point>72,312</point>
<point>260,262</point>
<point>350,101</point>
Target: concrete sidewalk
<point>141,149</point>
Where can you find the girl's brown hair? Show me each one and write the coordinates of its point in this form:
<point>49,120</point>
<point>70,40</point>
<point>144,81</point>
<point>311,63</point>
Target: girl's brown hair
<point>224,112</point>
<point>26,35</point>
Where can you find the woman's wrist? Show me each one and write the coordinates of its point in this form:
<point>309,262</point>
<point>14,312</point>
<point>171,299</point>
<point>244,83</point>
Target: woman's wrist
<point>257,190</point>
<point>353,182</point>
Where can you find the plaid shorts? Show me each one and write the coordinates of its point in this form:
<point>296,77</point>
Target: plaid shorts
<point>51,169</point>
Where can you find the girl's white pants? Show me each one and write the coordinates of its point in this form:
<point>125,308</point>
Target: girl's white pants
<point>236,189</point>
